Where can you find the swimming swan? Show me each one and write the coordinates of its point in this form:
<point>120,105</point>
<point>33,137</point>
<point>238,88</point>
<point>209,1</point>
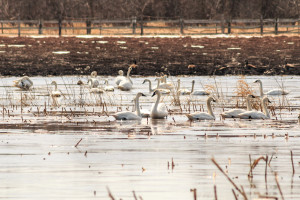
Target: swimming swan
<point>120,77</point>
<point>271,92</point>
<point>23,83</point>
<point>126,83</point>
<point>163,91</point>
<point>257,114</point>
<point>108,87</point>
<point>182,91</point>
<point>197,92</point>
<point>160,85</point>
<point>127,115</point>
<point>93,81</point>
<point>203,115</point>
<point>158,110</point>
<point>233,113</point>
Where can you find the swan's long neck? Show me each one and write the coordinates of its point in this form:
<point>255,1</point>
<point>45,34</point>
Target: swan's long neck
<point>208,103</point>
<point>55,86</point>
<point>150,86</point>
<point>164,79</point>
<point>249,107</point>
<point>128,73</point>
<point>137,105</point>
<point>261,89</point>
<point>178,86</point>
<point>158,82</point>
<point>193,85</point>
<point>157,101</point>
<point>265,109</point>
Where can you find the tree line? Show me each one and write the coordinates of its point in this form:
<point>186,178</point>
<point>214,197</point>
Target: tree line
<point>148,9</point>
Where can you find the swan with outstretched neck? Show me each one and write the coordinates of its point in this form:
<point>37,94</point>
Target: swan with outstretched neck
<point>127,115</point>
<point>126,83</point>
<point>163,91</point>
<point>197,92</point>
<point>234,113</point>
<point>158,110</point>
<point>203,115</point>
<point>271,92</point>
<point>257,114</point>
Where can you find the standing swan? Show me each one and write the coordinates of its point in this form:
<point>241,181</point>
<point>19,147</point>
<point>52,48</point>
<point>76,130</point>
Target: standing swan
<point>126,83</point>
<point>197,92</point>
<point>234,113</point>
<point>158,110</point>
<point>271,92</point>
<point>127,115</point>
<point>203,115</point>
<point>23,83</point>
<point>257,114</point>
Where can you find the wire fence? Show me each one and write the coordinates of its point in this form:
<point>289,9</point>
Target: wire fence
<point>149,27</point>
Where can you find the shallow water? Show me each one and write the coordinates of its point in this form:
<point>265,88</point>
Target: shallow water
<point>39,158</point>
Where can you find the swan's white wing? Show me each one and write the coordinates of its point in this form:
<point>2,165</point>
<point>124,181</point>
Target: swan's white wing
<point>184,91</point>
<point>252,115</point>
<point>233,113</point>
<point>277,92</point>
<point>126,115</point>
<point>125,85</point>
<point>166,86</point>
<point>119,79</point>
<point>200,116</point>
<point>109,88</point>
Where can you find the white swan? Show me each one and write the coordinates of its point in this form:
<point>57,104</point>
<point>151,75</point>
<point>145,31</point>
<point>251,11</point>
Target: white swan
<point>197,92</point>
<point>120,77</point>
<point>163,91</point>
<point>108,87</point>
<point>93,81</point>
<point>126,83</point>
<point>257,114</point>
<point>203,115</point>
<point>23,83</point>
<point>160,85</point>
<point>158,110</point>
<point>55,92</point>
<point>182,91</point>
<point>144,112</point>
<point>127,115</point>
<point>271,92</point>
<point>233,113</point>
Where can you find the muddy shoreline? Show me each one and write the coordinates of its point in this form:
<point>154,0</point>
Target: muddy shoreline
<point>204,56</point>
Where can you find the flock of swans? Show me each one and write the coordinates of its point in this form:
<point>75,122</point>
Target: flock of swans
<point>159,110</point>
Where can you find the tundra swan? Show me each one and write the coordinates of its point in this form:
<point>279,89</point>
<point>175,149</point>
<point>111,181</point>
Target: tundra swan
<point>257,114</point>
<point>233,113</point>
<point>203,115</point>
<point>144,112</point>
<point>120,77</point>
<point>163,91</point>
<point>108,87</point>
<point>182,91</point>
<point>158,110</point>
<point>197,92</point>
<point>160,85</point>
<point>271,92</point>
<point>126,83</point>
<point>55,92</point>
<point>127,115</point>
<point>23,83</point>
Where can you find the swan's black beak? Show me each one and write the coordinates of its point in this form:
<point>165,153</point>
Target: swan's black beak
<point>143,82</point>
<point>214,100</point>
<point>143,95</point>
<point>255,81</point>
<point>269,101</point>
<point>154,93</point>
<point>252,96</point>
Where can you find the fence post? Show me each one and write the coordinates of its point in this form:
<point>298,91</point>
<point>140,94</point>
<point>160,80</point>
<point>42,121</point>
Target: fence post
<point>88,27</point>
<point>181,26</point>
<point>276,26</point>
<point>222,24</point>
<point>40,27</point>
<point>59,26</point>
<point>19,27</point>
<point>261,25</point>
<point>142,27</point>
<point>229,26</point>
<point>134,25</point>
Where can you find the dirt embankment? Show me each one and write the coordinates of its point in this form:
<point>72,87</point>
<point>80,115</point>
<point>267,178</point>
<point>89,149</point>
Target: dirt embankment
<point>206,56</point>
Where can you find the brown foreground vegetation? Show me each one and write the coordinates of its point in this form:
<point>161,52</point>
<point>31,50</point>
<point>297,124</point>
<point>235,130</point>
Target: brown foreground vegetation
<point>178,56</point>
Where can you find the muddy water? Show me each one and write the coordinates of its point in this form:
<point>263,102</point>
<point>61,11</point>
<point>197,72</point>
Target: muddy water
<point>39,159</point>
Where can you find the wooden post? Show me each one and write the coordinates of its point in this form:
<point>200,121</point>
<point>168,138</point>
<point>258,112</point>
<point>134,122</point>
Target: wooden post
<point>19,27</point>
<point>181,26</point>
<point>2,27</point>
<point>261,25</point>
<point>276,26</point>
<point>134,25</point>
<point>142,26</point>
<point>229,26</point>
<point>88,27</point>
<point>59,26</point>
<point>222,24</point>
<point>40,27</point>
